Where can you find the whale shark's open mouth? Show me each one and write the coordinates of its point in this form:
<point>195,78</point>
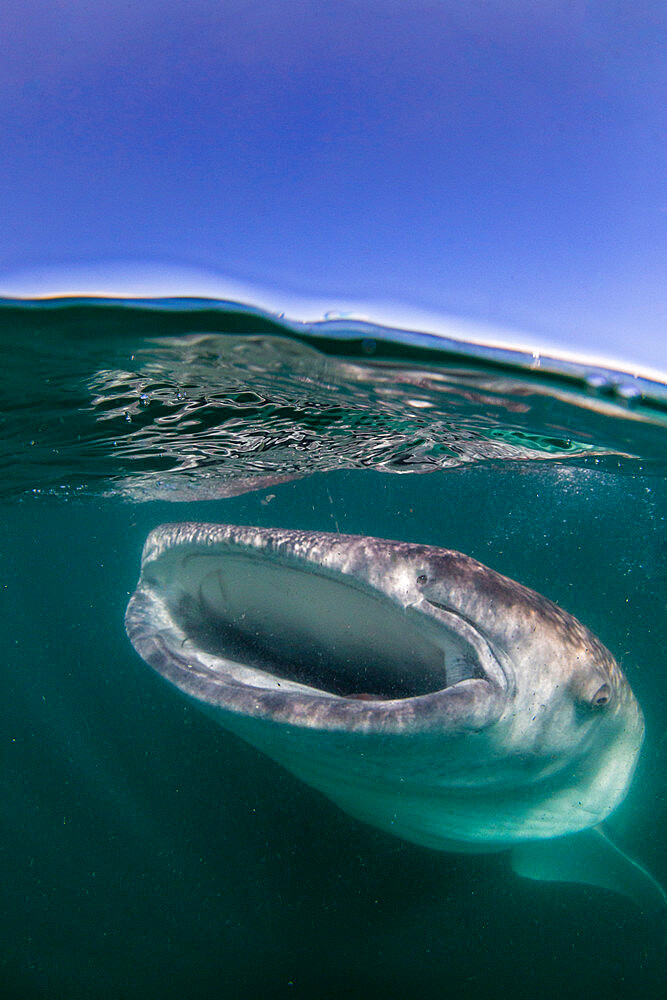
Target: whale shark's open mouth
<point>324,632</point>
<point>298,626</point>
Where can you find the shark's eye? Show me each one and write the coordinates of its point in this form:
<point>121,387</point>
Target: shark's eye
<point>601,696</point>
<point>422,579</point>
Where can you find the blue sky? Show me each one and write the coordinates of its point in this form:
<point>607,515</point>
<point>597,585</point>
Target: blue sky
<point>498,161</point>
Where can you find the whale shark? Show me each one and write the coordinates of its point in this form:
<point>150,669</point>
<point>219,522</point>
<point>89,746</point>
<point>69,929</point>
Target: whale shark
<point>421,691</point>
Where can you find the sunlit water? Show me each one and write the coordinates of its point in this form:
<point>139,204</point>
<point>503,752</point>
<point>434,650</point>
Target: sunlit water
<point>146,852</point>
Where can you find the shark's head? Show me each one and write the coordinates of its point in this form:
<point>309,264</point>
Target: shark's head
<point>570,719</point>
<point>413,685</point>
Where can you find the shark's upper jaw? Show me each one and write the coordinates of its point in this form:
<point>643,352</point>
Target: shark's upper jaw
<point>282,624</point>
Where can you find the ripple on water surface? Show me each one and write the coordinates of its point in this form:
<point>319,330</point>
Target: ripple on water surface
<point>184,400</point>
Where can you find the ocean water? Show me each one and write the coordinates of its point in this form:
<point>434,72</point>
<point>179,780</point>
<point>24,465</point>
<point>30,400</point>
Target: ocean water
<point>146,852</point>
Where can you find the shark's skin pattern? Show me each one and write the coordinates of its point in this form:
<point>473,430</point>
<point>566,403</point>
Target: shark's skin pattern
<point>537,738</point>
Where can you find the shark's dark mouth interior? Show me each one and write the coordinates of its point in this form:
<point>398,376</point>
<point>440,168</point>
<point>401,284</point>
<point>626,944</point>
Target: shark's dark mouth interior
<point>312,629</point>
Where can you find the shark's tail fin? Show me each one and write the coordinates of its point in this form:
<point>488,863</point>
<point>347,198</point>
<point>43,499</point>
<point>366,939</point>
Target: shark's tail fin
<point>593,858</point>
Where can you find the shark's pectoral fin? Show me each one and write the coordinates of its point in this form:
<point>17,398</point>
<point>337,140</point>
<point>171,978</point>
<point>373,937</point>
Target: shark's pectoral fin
<point>592,858</point>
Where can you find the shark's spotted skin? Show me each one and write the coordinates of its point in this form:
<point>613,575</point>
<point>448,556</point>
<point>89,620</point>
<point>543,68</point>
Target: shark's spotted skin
<point>420,690</point>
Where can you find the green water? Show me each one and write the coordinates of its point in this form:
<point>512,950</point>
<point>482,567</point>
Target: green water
<point>145,852</point>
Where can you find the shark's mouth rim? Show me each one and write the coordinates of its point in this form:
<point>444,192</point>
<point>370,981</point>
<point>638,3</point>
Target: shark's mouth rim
<point>163,627</point>
<point>493,666</point>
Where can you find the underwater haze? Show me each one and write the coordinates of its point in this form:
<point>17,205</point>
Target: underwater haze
<point>146,852</point>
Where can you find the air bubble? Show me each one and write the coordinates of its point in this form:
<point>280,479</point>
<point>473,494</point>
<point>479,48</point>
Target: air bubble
<point>629,392</point>
<point>599,384</point>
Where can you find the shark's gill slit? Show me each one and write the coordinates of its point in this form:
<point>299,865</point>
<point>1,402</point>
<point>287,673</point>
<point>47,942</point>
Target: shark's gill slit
<point>314,630</point>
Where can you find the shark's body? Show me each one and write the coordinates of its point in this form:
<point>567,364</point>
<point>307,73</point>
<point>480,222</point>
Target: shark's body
<point>418,689</point>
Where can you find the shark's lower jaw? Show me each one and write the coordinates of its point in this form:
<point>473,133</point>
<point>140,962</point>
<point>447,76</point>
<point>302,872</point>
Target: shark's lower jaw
<point>283,626</point>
